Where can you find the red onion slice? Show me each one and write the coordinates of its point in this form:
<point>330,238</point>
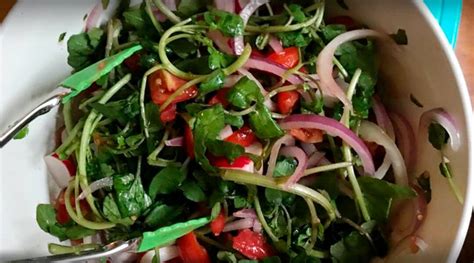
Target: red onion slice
<point>225,5</point>
<point>257,226</point>
<point>315,159</point>
<point>444,119</point>
<point>286,140</point>
<point>255,148</point>
<point>96,185</point>
<point>263,64</point>
<point>300,156</point>
<point>171,4</point>
<point>246,213</point>
<point>406,140</point>
<point>384,122</point>
<point>245,14</point>
<point>308,148</point>
<point>324,64</point>
<point>239,224</point>
<point>373,133</point>
<point>275,44</point>
<point>333,128</point>
<point>221,41</point>
<point>175,142</point>
<point>93,17</point>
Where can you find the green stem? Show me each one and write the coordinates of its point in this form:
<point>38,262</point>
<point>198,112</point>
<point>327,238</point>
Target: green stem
<point>152,17</point>
<point>314,224</point>
<point>325,168</point>
<point>57,249</point>
<point>71,136</point>
<point>67,115</point>
<point>160,147</point>
<point>261,218</point>
<point>167,12</point>
<point>288,219</point>
<point>145,122</point>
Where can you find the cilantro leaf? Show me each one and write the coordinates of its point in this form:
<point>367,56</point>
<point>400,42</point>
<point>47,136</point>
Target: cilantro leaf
<point>166,181</point>
<point>437,135</point>
<point>22,133</point>
<point>285,166</point>
<point>262,123</point>
<point>244,93</point>
<point>161,215</point>
<point>229,24</point>
<point>212,83</point>
<point>85,48</point>
<point>294,38</point>
<point>296,11</point>
<point>333,30</point>
<point>130,196</point>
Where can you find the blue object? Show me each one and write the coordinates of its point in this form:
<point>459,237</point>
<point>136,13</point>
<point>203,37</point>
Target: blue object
<point>448,14</point>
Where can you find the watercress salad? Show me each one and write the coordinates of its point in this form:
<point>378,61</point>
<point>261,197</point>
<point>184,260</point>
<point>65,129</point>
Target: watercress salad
<point>240,131</point>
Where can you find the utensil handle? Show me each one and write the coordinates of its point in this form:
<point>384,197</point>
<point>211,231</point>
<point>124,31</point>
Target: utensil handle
<point>41,109</point>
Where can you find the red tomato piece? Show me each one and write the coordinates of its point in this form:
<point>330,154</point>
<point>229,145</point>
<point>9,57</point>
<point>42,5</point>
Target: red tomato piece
<point>252,245</point>
<point>189,141</point>
<point>133,62</point>
<point>62,215</point>
<point>307,135</point>
<point>222,162</point>
<point>190,250</point>
<point>286,101</point>
<point>288,58</point>
<point>163,84</point>
<point>217,225</point>
<point>68,163</point>
<point>243,137</point>
<point>220,97</point>
<point>168,114</point>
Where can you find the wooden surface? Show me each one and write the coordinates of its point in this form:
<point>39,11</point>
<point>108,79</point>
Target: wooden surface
<point>465,54</point>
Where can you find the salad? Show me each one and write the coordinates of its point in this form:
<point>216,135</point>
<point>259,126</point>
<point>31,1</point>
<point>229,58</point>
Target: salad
<point>239,131</point>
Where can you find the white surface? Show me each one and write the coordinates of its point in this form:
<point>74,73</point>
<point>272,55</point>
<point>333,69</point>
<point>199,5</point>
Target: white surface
<point>32,62</point>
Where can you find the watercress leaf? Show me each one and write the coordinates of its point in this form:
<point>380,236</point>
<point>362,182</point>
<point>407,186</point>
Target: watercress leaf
<point>212,83</point>
<point>226,256</point>
<point>244,93</point>
<point>352,248</point>
<point>229,24</point>
<point>166,181</point>
<point>183,47</point>
<point>437,135</point>
<point>77,232</point>
<point>192,191</point>
<point>236,121</point>
<point>187,8</point>
<point>294,38</point>
<point>85,48</point>
<point>121,110</point>
<point>328,182</point>
<point>297,13</point>
<point>277,197</point>
<point>226,149</point>
<point>379,195</point>
<point>195,65</point>
<point>218,59</point>
<point>153,117</point>
<point>130,196</point>
<point>110,209</point>
<point>161,215</point>
<point>262,123</point>
<point>148,60</point>
<point>167,234</point>
<point>22,133</point>
<point>135,17</point>
<point>45,216</point>
<point>285,166</point>
<point>331,31</point>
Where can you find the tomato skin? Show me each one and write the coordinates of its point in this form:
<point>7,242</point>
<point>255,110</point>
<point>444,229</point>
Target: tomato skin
<point>307,135</point>
<point>133,62</point>
<point>62,215</point>
<point>252,245</point>
<point>288,58</point>
<point>190,250</point>
<point>222,162</point>
<point>217,225</point>
<point>243,137</point>
<point>189,141</point>
<point>168,114</point>
<point>163,84</point>
<point>286,101</point>
<point>220,97</point>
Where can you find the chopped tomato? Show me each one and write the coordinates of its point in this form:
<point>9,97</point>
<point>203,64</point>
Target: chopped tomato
<point>343,20</point>
<point>372,146</point>
<point>62,215</point>
<point>189,141</point>
<point>243,137</point>
<point>256,54</point>
<point>217,225</point>
<point>286,101</point>
<point>168,114</point>
<point>307,135</point>
<point>190,250</point>
<point>220,97</point>
<point>133,62</point>
<point>163,84</point>
<point>68,163</point>
<point>222,162</point>
<point>288,58</point>
<point>252,245</point>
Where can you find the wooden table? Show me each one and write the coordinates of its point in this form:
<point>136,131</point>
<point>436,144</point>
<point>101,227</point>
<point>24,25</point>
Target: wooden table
<point>465,54</point>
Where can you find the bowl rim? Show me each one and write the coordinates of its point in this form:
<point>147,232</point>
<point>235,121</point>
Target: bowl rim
<point>461,85</point>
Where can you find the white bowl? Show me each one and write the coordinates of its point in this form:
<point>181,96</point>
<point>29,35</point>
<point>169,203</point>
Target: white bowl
<point>32,62</point>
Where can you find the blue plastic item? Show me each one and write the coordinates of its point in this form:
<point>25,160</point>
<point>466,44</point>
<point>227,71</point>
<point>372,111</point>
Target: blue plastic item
<point>448,14</point>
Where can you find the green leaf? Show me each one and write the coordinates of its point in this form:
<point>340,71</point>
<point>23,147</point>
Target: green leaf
<point>277,197</point>
<point>285,166</point>
<point>166,181</point>
<point>135,17</point>
<point>379,195</point>
<point>161,215</point>
<point>110,209</point>
<point>294,38</point>
<point>352,248</point>
<point>236,121</point>
<point>437,135</point>
<point>212,83</point>
<point>226,149</point>
<point>183,47</point>
<point>187,8</point>
<point>167,234</point>
<point>218,59</point>
<point>332,31</point>
<point>45,216</point>
<point>61,37</point>
<point>262,123</point>
<point>193,191</point>
<point>328,182</point>
<point>22,133</point>
<point>445,169</point>
<point>425,184</point>
<point>400,37</point>
<point>121,110</point>
<point>77,232</point>
<point>244,93</point>
<point>226,256</point>
<point>85,48</point>
<point>297,13</point>
<point>130,196</point>
<point>229,24</point>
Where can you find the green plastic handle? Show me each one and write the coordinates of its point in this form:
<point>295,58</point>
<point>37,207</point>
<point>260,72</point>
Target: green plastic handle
<point>82,80</point>
<point>167,234</point>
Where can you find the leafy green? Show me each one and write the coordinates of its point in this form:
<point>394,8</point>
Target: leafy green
<point>212,83</point>
<point>425,184</point>
<point>22,133</point>
<point>111,210</point>
<point>294,38</point>
<point>236,121</point>
<point>328,182</point>
<point>277,197</point>
<point>333,30</point>
<point>262,123</point>
<point>229,24</point>
<point>183,47</point>
<point>199,65</point>
<point>352,248</point>
<point>130,196</point>
<point>61,37</point>
<point>193,191</point>
<point>445,169</point>
<point>226,149</point>
<point>166,181</point>
<point>379,195</point>
<point>400,37</point>
<point>244,93</point>
<point>167,234</point>
<point>437,135</point>
<point>136,17</point>
<point>285,166</point>
<point>187,8</point>
<point>415,101</point>
<point>162,214</point>
<point>218,59</point>
<point>296,11</point>
<point>121,110</point>
<point>85,48</point>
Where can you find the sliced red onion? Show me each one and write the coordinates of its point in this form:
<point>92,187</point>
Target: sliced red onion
<point>286,140</point>
<point>315,159</point>
<point>255,148</point>
<point>231,80</point>
<point>308,148</point>
<point>96,185</point>
<point>221,41</point>
<point>300,156</point>
<point>225,5</point>
<point>444,119</point>
<point>175,142</point>
<point>93,17</point>
<point>239,224</point>
<point>170,4</point>
<point>245,14</point>
<point>384,122</point>
<point>275,44</point>
<point>225,132</point>
<point>166,253</point>
<point>333,128</point>
<point>263,64</point>
<point>406,140</point>
<point>257,226</point>
<point>373,133</point>
<point>60,170</point>
<point>245,213</point>
<point>324,64</point>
